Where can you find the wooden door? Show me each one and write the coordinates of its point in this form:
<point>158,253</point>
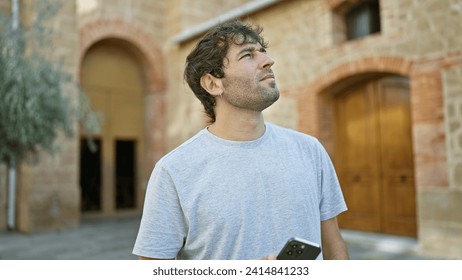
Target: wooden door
<point>373,156</point>
<point>397,160</point>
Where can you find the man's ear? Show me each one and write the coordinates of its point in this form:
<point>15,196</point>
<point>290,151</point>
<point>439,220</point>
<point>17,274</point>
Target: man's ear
<point>212,85</point>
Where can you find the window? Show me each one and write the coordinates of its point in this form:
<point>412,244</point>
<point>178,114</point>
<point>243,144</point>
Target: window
<point>363,19</point>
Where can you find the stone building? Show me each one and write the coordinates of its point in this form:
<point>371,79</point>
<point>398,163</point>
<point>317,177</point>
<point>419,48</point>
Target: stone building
<point>379,82</point>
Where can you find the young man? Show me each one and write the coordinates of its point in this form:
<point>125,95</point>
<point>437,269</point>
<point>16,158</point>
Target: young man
<point>240,188</point>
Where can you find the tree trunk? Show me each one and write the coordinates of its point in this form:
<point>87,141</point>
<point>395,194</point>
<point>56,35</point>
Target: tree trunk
<point>15,14</point>
<point>11,218</point>
<point>11,211</point>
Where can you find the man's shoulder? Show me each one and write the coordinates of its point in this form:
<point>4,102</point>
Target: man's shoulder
<point>292,134</point>
<point>188,149</point>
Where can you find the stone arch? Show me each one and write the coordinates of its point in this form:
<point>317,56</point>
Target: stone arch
<point>318,101</point>
<point>341,4</point>
<point>104,29</point>
<point>152,60</point>
<point>310,103</point>
<point>380,64</point>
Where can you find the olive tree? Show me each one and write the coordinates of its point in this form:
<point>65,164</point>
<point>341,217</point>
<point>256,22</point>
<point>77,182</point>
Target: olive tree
<point>37,96</point>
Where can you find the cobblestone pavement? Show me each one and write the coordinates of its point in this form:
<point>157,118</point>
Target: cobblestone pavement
<point>112,239</point>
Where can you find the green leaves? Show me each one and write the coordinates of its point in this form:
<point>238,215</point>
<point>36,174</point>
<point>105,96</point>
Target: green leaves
<point>35,96</point>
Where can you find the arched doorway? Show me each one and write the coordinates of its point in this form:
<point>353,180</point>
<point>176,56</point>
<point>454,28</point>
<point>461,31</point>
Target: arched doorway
<point>374,157</point>
<point>112,76</point>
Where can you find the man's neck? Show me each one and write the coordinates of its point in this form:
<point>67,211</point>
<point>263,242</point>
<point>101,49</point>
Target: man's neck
<point>239,128</point>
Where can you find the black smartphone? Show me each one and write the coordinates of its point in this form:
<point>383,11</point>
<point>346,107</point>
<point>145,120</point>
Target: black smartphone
<point>299,249</point>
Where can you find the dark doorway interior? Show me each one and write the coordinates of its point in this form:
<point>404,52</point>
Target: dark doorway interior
<point>90,176</point>
<point>125,174</point>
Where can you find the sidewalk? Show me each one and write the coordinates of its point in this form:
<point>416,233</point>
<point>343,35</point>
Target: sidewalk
<point>374,246</point>
<point>112,239</point>
<point>108,239</point>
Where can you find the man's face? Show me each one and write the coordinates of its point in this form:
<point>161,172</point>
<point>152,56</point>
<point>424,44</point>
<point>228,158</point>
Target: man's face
<point>249,81</point>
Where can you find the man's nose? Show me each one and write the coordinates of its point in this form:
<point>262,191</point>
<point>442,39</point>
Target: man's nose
<point>267,61</point>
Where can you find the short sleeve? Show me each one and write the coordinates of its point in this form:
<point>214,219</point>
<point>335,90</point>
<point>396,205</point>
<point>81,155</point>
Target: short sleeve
<point>332,201</point>
<point>162,229</point>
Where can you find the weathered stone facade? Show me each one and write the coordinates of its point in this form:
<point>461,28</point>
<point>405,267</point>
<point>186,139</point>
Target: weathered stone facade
<point>419,40</point>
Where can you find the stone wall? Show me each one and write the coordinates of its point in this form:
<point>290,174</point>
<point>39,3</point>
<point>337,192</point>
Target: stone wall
<point>418,40</point>
<point>441,213</point>
<point>141,14</point>
<point>148,25</point>
<point>198,11</point>
<point>452,79</point>
<point>48,193</point>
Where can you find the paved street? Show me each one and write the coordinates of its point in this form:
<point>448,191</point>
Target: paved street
<point>112,239</point>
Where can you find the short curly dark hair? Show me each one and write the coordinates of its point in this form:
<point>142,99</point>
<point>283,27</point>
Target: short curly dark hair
<point>208,56</point>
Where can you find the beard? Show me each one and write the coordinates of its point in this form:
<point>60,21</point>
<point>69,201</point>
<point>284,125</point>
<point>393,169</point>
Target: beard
<point>246,94</point>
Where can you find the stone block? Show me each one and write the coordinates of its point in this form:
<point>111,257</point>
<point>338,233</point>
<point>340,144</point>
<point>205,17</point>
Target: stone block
<point>456,172</point>
<point>440,223</point>
<point>440,205</point>
<point>54,209</point>
<point>440,239</point>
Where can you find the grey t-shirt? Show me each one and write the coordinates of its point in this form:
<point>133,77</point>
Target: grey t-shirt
<point>212,198</point>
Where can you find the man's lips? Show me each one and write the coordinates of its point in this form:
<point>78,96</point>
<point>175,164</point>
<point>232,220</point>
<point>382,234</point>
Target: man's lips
<point>267,76</point>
